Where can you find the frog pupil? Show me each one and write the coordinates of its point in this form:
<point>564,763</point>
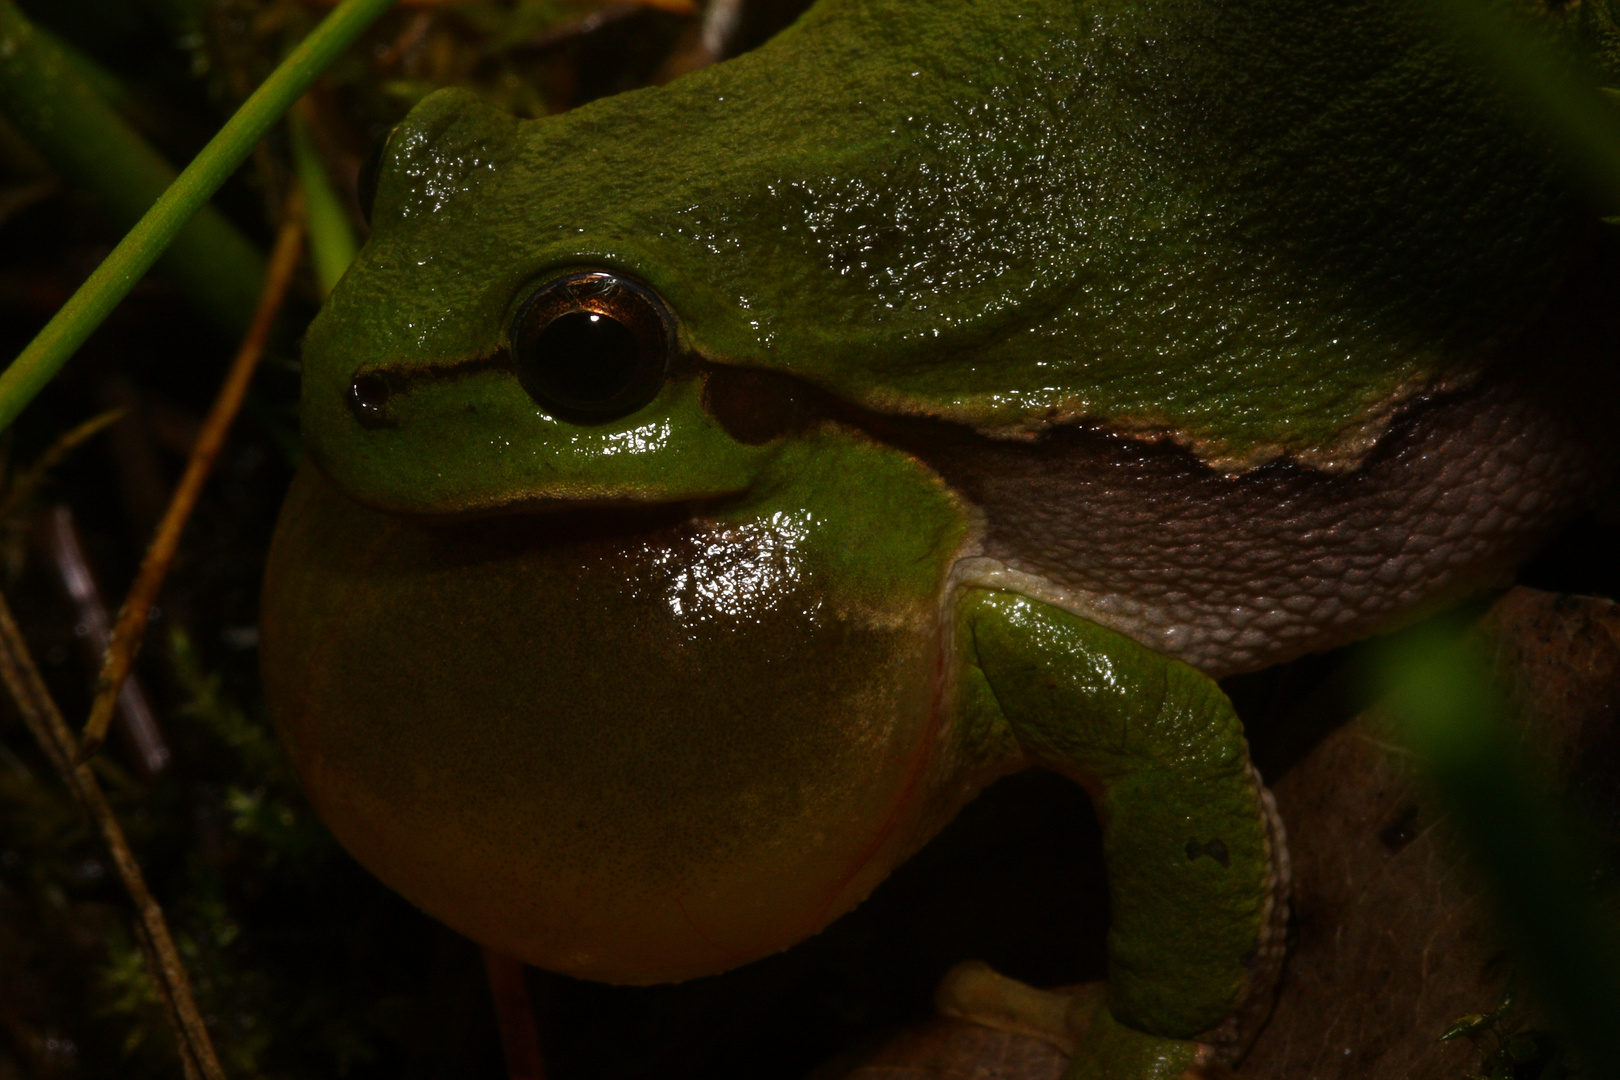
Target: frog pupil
<point>592,346</point>
<point>585,357</point>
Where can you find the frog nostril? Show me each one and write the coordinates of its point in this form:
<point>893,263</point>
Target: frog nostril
<point>369,393</point>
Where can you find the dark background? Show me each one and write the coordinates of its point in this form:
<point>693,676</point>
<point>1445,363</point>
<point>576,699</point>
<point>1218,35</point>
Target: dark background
<point>304,965</point>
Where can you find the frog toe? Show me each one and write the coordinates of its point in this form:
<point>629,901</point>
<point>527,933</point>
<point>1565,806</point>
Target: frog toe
<point>974,992</point>
<point>1078,1022</point>
<point>1109,1050</point>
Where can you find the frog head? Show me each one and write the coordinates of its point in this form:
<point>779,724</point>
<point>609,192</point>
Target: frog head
<point>492,351</point>
<point>1101,225</point>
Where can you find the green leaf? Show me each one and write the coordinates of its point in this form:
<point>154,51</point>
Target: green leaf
<point>136,253</point>
<point>331,238</point>
<point>68,110</point>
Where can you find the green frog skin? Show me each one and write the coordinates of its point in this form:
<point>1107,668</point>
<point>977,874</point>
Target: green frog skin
<point>712,489</point>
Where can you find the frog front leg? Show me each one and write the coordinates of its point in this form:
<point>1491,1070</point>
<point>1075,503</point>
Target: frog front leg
<point>1197,871</point>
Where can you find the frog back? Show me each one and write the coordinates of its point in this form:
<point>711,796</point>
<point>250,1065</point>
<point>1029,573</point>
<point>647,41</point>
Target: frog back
<point>1257,230</point>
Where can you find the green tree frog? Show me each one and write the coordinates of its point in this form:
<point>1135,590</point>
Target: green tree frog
<point>712,489</point>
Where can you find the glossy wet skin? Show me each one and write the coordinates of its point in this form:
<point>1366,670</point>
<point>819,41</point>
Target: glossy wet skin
<point>647,694</point>
<point>636,747</point>
<point>1100,224</point>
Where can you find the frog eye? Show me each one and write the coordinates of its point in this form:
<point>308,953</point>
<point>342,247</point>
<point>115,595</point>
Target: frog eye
<point>592,346</point>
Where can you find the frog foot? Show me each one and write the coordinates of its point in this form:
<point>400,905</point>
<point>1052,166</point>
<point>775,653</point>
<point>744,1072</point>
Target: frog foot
<point>1076,1020</point>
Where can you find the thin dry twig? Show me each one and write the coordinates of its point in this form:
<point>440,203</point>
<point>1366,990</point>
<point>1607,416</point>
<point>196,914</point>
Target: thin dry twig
<point>26,484</point>
<point>44,720</point>
<point>720,22</point>
<point>149,954</point>
<point>679,7</point>
<point>131,628</point>
<point>514,1012</point>
<point>707,43</point>
<point>58,538</point>
<point>409,38</point>
<point>606,15</point>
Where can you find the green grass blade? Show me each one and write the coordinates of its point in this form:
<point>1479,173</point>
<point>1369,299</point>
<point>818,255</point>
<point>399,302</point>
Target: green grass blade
<point>1531,852</point>
<point>1557,85</point>
<point>65,106</point>
<point>332,245</point>
<point>136,253</point>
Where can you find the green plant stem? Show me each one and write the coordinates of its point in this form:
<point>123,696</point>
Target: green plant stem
<point>107,86</point>
<point>1518,51</point>
<point>64,113</point>
<point>332,245</point>
<point>136,253</point>
<point>1528,850</point>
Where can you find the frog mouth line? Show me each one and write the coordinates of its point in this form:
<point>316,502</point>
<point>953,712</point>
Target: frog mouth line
<point>757,406</point>
<point>372,389</point>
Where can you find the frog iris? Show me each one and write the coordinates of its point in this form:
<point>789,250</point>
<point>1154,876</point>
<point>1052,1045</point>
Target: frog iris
<point>592,346</point>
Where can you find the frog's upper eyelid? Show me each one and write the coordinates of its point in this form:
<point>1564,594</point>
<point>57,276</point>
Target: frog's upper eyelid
<point>592,278</point>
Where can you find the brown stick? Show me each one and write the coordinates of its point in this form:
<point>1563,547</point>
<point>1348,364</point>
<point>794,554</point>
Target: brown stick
<point>678,7</point>
<point>131,628</point>
<point>44,719</point>
<point>188,1060</point>
<point>520,1037</point>
<point>705,44</point>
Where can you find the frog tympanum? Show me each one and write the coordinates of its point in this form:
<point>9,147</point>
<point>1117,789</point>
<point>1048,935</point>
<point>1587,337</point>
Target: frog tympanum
<point>712,489</point>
